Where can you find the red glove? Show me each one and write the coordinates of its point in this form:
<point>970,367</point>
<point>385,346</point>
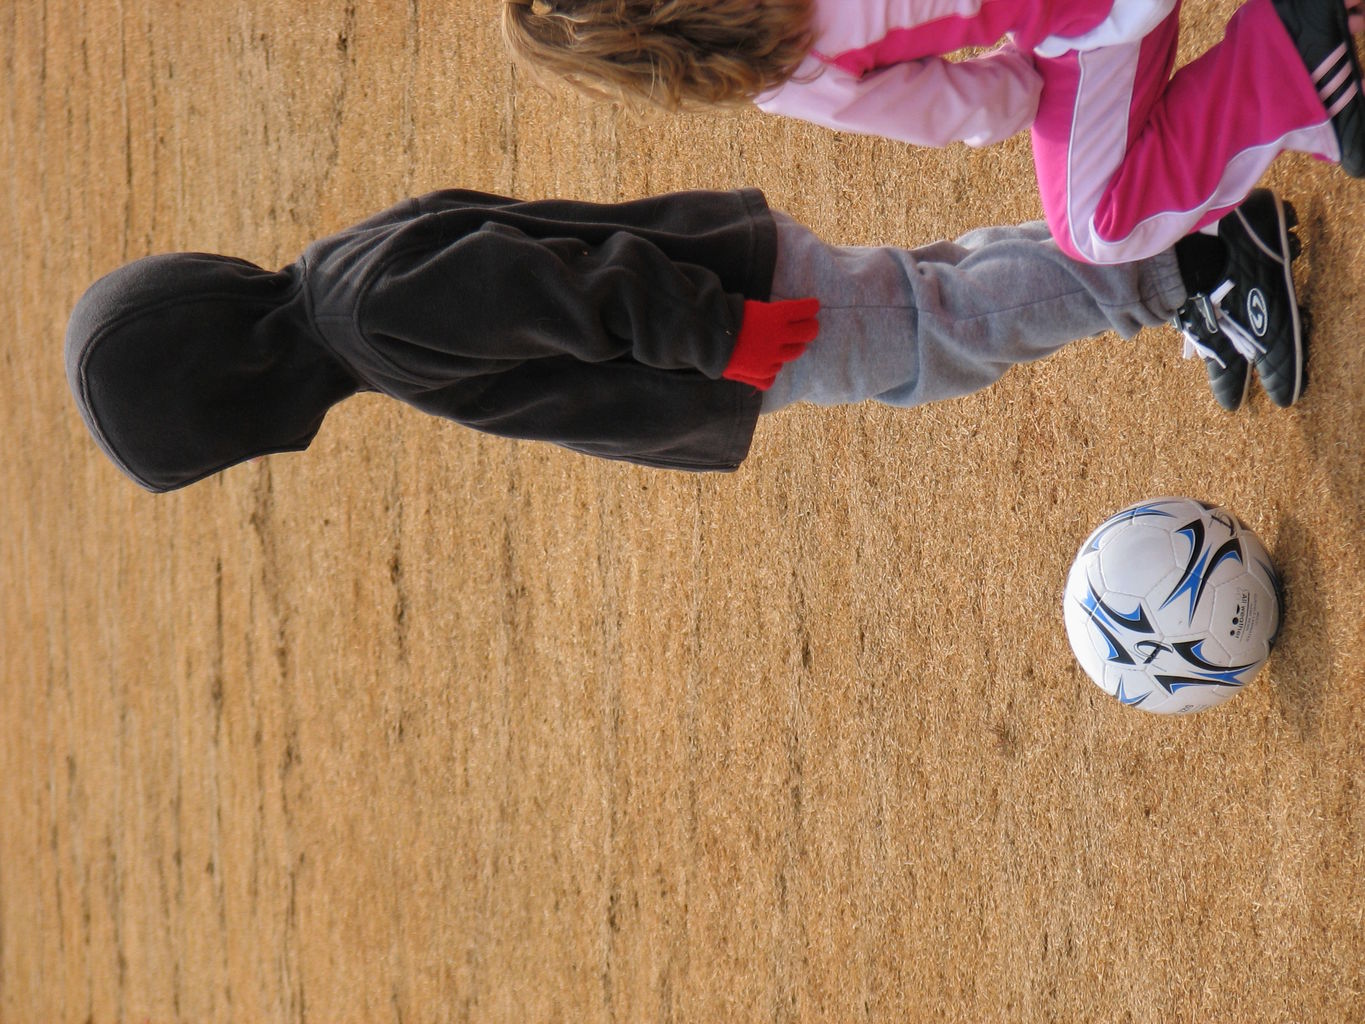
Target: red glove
<point>771,335</point>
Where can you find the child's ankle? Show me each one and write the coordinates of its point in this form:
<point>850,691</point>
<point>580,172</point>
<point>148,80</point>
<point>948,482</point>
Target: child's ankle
<point>1203,261</point>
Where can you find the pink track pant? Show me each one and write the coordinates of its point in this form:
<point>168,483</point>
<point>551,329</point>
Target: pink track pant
<point>1131,159</point>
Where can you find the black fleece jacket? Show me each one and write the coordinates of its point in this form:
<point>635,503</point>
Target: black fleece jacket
<point>601,327</point>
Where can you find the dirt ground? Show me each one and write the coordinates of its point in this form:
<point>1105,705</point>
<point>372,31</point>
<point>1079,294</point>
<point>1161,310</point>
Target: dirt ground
<point>426,726</point>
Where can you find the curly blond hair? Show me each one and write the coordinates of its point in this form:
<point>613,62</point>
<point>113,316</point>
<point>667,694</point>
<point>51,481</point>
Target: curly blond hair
<point>672,54</point>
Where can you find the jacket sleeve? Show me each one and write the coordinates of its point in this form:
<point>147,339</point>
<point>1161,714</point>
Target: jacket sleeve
<point>927,102</point>
<point>496,296</point>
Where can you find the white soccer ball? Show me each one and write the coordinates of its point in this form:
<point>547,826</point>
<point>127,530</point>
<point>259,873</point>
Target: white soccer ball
<point>1172,605</point>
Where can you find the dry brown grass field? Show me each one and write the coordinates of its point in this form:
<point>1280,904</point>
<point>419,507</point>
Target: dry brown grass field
<point>428,726</point>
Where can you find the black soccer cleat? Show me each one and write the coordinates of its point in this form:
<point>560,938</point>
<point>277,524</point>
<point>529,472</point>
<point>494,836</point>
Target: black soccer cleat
<point>1258,305</point>
<point>1322,34</point>
<point>1229,371</point>
<point>1253,315</point>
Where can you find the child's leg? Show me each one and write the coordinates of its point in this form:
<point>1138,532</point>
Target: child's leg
<point>913,326</point>
<point>1130,159</point>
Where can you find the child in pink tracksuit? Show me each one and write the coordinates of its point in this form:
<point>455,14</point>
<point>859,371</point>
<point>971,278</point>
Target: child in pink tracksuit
<point>1129,158</point>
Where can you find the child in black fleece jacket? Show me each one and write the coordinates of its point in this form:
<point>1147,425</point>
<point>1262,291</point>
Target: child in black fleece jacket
<point>653,331</point>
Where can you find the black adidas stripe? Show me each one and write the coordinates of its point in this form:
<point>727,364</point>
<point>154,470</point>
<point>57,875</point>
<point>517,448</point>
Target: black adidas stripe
<point>1335,80</point>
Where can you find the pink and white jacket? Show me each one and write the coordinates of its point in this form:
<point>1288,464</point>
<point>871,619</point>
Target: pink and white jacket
<point>877,66</point>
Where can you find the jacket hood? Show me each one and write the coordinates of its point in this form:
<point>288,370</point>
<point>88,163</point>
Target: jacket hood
<point>185,364</point>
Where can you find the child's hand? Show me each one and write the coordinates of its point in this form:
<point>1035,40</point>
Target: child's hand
<point>1355,16</point>
<point>771,335</point>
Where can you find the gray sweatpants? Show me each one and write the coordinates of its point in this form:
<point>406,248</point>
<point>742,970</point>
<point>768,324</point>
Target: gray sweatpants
<point>911,326</point>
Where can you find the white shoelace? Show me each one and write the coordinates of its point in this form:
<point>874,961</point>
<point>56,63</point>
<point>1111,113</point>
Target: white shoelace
<point>1242,340</point>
